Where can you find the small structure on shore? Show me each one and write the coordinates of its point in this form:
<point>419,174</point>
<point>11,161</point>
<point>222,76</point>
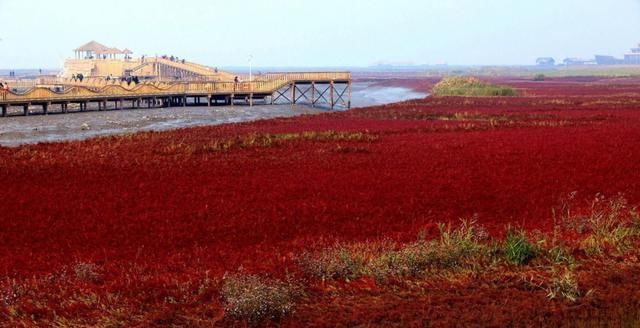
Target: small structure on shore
<point>630,58</point>
<point>545,61</point>
<point>633,57</point>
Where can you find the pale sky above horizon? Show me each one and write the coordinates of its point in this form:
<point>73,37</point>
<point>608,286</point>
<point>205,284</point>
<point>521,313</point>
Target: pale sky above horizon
<point>41,33</point>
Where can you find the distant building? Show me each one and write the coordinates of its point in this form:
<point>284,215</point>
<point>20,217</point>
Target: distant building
<point>608,60</point>
<point>633,58</point>
<point>545,61</point>
<point>574,61</point>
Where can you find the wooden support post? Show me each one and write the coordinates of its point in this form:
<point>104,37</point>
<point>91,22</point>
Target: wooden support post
<point>4,110</point>
<point>251,100</point>
<point>26,110</point>
<point>209,101</point>
<point>184,101</point>
<point>45,108</point>
<point>293,93</point>
<point>331,94</point>
<point>272,98</point>
<point>99,105</point>
<point>65,107</point>
<point>313,94</point>
<point>349,93</point>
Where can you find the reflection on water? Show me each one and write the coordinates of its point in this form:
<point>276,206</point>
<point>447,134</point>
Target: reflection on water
<point>19,130</point>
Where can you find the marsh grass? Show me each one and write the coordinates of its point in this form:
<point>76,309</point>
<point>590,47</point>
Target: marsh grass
<point>456,248</point>
<point>264,140</point>
<point>470,87</point>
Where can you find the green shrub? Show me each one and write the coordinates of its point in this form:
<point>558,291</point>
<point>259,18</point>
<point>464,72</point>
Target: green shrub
<point>539,77</point>
<point>517,248</point>
<point>470,87</point>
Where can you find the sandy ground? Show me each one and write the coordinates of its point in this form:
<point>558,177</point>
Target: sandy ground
<point>18,130</point>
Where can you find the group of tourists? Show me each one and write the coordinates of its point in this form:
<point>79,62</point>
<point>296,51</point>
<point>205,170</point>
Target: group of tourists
<point>77,77</point>
<point>129,79</point>
<point>174,59</point>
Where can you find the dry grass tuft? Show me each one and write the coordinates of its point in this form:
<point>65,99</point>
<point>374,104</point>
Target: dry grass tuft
<point>564,286</point>
<point>254,299</point>
<point>610,225</point>
<point>87,272</point>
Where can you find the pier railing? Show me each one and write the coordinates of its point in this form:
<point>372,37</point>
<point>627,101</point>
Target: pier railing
<point>91,88</point>
<point>310,76</point>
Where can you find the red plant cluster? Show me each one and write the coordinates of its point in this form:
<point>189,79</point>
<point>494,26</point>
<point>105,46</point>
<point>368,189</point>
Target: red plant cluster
<point>156,211</point>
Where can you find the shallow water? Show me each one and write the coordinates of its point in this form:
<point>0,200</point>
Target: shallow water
<point>18,130</point>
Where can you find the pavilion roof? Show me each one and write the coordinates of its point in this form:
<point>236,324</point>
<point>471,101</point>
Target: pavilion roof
<point>92,46</point>
<point>109,51</point>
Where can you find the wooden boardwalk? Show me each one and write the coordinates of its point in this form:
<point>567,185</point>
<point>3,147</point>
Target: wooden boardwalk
<point>330,88</point>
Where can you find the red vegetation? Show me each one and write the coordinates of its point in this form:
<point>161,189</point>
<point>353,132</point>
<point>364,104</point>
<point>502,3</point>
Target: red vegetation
<point>163,214</point>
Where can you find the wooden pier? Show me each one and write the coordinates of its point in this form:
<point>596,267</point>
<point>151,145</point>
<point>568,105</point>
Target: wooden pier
<point>331,89</point>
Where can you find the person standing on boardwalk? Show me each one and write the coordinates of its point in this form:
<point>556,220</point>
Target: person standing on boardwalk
<point>235,83</point>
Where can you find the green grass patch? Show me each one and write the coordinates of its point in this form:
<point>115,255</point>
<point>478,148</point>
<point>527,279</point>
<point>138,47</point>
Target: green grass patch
<point>517,248</point>
<point>470,87</point>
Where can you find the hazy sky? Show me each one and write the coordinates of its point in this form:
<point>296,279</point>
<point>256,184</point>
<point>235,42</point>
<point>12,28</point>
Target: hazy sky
<point>42,33</point>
